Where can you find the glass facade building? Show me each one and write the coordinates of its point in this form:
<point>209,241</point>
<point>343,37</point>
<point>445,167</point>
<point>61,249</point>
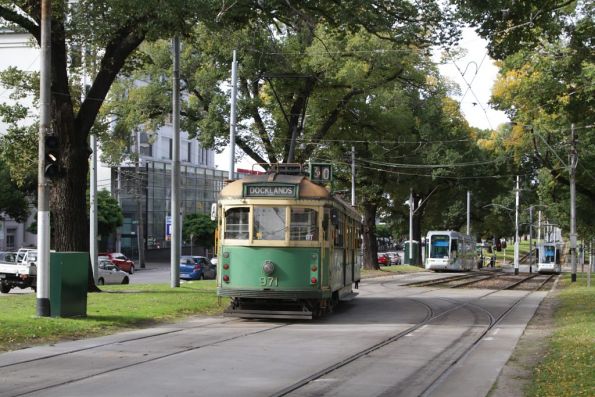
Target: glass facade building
<point>145,196</point>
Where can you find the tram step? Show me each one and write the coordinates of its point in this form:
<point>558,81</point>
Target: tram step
<point>277,314</point>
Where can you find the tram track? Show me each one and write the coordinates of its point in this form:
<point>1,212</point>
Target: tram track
<point>138,362</point>
<point>493,321</point>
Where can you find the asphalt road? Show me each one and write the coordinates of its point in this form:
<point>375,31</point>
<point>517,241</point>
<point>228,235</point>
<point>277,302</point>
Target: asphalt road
<point>391,340</point>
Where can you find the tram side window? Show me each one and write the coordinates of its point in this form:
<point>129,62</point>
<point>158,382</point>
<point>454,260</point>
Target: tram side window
<point>454,247</point>
<point>269,223</point>
<point>339,232</point>
<point>236,223</point>
<point>304,224</point>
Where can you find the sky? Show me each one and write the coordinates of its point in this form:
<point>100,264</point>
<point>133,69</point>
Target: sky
<point>478,70</point>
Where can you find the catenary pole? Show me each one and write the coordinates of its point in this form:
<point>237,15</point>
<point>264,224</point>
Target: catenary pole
<point>468,212</point>
<point>232,116</point>
<point>353,176</point>
<point>411,227</point>
<point>531,239</point>
<point>93,209</point>
<point>516,227</point>
<point>175,180</point>
<point>573,163</point>
<point>43,205</point>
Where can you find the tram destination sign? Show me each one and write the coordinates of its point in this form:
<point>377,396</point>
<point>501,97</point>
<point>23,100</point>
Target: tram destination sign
<point>268,190</point>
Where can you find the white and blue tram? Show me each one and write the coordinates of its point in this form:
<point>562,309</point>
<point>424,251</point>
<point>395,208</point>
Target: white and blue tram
<point>548,257</point>
<point>451,251</point>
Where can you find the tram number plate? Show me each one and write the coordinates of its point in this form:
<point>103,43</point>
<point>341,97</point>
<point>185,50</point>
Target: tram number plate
<point>269,282</point>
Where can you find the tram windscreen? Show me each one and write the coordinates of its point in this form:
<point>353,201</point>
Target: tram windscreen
<point>269,223</point>
<point>237,223</point>
<point>549,254</point>
<point>439,246</point>
<point>304,224</point>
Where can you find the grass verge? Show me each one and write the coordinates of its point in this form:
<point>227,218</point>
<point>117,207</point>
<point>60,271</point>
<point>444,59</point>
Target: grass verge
<point>568,368</point>
<point>119,307</point>
<point>389,270</point>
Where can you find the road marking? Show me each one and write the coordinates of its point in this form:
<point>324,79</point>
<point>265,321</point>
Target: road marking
<point>496,331</point>
<point>488,338</point>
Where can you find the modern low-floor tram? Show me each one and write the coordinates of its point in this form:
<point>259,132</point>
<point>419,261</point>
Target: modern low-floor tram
<point>549,257</point>
<point>448,250</point>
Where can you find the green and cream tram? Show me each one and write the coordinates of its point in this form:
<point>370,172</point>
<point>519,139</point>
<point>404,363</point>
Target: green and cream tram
<point>287,247</point>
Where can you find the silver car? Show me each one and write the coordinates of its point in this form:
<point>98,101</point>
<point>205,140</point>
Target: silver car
<point>108,273</point>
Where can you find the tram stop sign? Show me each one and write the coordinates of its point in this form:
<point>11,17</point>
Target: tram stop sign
<point>321,173</point>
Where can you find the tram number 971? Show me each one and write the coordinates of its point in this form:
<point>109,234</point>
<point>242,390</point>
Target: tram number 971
<point>269,282</point>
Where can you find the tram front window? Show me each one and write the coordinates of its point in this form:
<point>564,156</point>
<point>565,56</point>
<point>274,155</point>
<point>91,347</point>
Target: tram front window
<point>439,246</point>
<point>269,223</point>
<point>549,254</point>
<point>236,223</point>
<point>304,224</point>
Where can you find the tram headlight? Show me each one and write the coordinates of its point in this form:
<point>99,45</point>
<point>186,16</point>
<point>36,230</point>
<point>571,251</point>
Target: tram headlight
<point>268,267</point>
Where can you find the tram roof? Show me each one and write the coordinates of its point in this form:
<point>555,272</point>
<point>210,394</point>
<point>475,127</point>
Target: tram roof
<point>307,188</point>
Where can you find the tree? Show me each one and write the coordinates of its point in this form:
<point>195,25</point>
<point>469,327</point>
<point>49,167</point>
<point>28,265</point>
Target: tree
<point>99,39</point>
<point>109,213</point>
<point>13,202</point>
<point>199,228</point>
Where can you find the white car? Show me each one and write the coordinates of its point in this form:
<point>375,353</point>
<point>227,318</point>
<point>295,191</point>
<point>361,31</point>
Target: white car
<point>110,274</point>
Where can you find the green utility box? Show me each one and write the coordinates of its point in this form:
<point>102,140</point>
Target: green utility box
<point>68,284</point>
<point>415,257</point>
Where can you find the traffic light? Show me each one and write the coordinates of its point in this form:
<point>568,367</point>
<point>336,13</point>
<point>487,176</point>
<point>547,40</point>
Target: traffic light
<point>52,157</point>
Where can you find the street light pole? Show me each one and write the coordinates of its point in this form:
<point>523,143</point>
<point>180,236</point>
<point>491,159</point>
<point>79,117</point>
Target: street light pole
<point>516,228</point>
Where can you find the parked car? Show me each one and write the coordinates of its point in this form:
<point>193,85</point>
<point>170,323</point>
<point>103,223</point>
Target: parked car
<point>120,260</point>
<point>197,268</point>
<point>108,273</point>
<point>394,258</point>
<point>383,259</point>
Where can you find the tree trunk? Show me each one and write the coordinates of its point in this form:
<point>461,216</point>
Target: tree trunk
<point>369,238</point>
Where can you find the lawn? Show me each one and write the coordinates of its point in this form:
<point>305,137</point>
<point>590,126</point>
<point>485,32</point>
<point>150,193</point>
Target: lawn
<point>388,270</point>
<point>119,307</point>
<point>568,370</point>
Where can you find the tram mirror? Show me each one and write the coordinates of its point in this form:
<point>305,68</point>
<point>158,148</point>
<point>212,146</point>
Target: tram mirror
<point>214,211</point>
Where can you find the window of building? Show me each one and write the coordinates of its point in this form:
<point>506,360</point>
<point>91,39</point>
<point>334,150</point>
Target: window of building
<point>171,148</point>
<point>189,152</point>
<point>10,238</point>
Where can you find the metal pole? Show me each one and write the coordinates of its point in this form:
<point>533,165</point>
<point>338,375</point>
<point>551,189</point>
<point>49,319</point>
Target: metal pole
<point>139,207</point>
<point>93,209</point>
<point>411,227</point>
<point>539,227</point>
<point>353,176</point>
<point>531,239</point>
<point>573,162</point>
<point>119,193</point>
<point>516,227</point>
<point>43,204</point>
<point>232,117</point>
<point>175,180</point>
<point>468,212</point>
<point>590,264</point>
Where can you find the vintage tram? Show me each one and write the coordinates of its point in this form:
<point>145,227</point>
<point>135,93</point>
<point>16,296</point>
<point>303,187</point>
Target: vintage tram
<point>450,251</point>
<point>288,248</point>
